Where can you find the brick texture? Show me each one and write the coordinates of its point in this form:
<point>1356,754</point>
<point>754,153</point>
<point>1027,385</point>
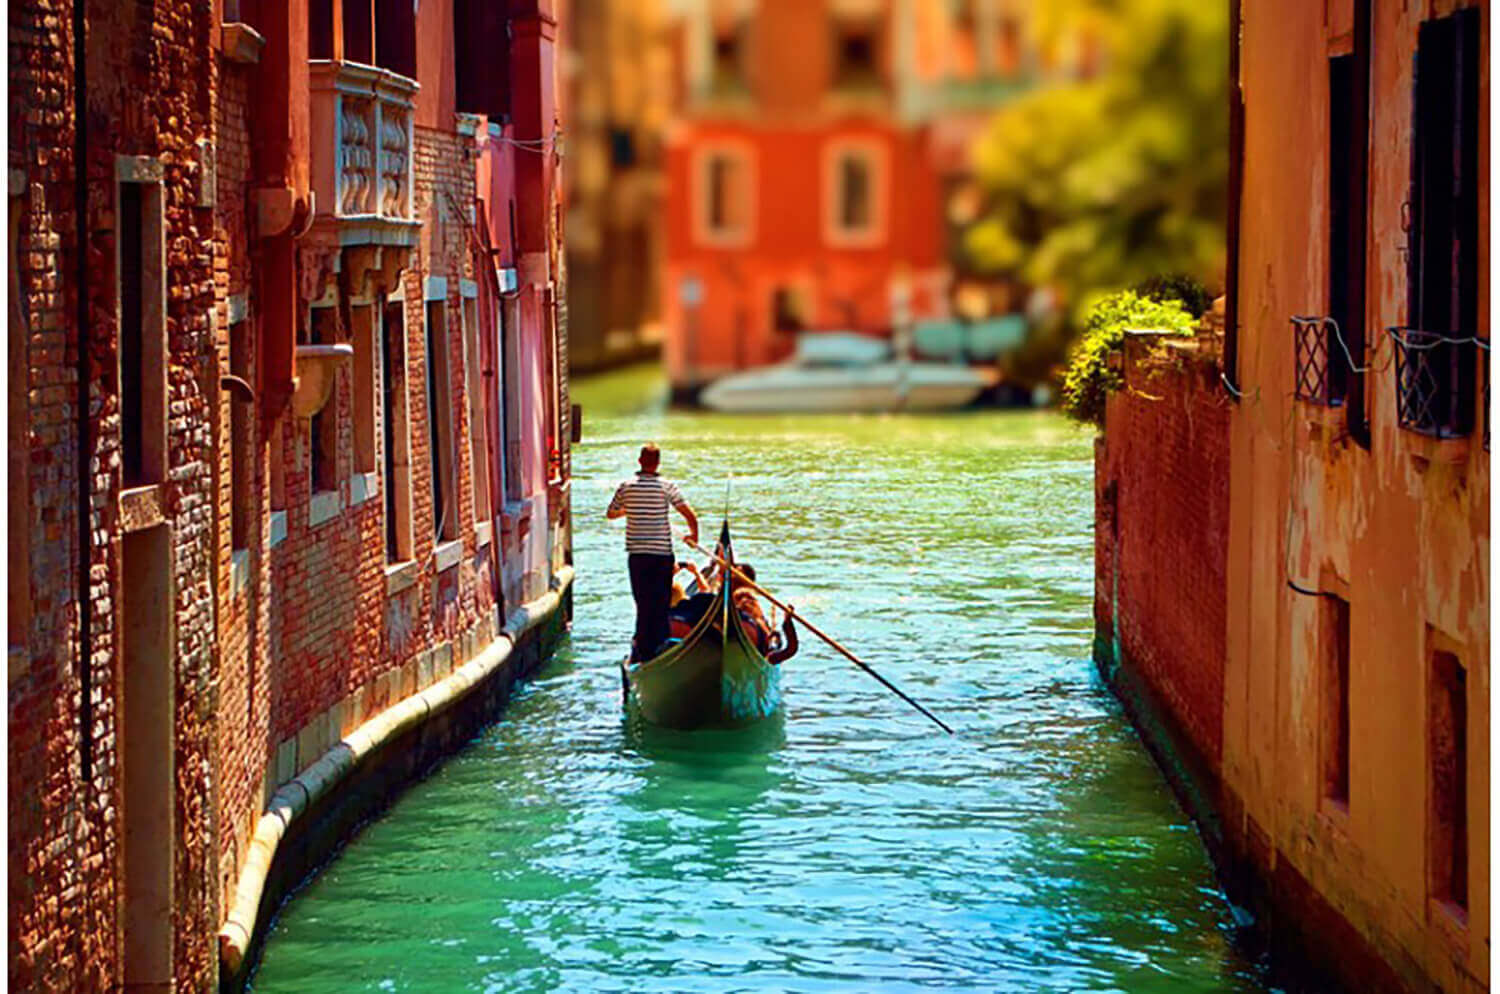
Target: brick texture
<point>277,648</point>
<point>1161,532</point>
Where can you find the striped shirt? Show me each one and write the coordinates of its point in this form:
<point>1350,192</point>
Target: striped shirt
<point>644,500</point>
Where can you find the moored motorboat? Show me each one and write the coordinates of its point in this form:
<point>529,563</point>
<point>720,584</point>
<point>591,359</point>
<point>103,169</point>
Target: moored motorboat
<point>713,677</point>
<point>843,371</point>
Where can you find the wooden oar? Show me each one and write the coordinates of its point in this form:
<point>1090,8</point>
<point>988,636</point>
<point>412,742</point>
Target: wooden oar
<point>819,633</point>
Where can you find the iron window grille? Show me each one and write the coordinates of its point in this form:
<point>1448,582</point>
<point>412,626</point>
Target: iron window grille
<point>1321,367</point>
<point>1435,381</point>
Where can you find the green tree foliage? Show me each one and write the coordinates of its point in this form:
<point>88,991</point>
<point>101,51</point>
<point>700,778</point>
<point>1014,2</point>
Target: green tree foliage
<point>1098,184</point>
<point>1090,377</point>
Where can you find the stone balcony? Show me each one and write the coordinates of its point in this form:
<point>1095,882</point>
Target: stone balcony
<point>362,156</point>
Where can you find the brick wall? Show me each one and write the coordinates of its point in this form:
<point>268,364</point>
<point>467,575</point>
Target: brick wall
<point>1161,532</point>
<point>277,649</point>
<point>150,74</point>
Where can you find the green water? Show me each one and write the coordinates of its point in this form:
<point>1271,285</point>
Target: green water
<point>846,847</point>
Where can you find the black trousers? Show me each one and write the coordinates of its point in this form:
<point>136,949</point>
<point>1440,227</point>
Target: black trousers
<point>651,585</point>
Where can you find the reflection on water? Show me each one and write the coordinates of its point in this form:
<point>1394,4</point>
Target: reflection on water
<point>846,845</point>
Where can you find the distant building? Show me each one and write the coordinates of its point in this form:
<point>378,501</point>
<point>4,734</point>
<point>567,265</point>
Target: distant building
<point>320,459</point>
<point>617,85</point>
<point>1293,585</point>
<point>819,167</point>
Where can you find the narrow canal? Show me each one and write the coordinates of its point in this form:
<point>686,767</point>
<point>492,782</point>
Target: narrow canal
<point>850,846</point>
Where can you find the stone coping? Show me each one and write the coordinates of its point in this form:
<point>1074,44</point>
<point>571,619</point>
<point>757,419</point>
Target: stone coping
<point>294,797</point>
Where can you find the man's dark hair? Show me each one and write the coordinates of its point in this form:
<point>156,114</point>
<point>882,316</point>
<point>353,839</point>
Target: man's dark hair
<point>650,456</point>
<point>746,569</point>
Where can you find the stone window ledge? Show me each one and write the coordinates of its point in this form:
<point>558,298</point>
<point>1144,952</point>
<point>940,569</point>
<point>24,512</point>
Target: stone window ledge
<point>324,507</point>
<point>363,487</point>
<point>399,576</point>
<point>278,528</point>
<point>483,533</point>
<point>447,555</point>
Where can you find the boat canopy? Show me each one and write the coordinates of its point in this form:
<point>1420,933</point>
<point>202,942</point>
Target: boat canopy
<point>981,340</point>
<point>840,348</point>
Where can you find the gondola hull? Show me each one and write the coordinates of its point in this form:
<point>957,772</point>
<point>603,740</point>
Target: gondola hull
<point>715,677</point>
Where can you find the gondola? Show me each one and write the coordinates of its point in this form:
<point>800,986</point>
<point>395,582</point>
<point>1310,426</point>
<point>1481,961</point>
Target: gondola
<point>715,677</point>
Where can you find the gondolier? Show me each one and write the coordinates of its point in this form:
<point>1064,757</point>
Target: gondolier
<point>644,501</point>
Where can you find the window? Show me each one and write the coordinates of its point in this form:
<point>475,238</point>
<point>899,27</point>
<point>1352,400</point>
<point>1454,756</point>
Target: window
<point>365,319</point>
<point>396,36</point>
<point>481,58</point>
<point>724,197</point>
<point>440,424</point>
<point>1448,750</point>
<point>142,307</point>
<point>854,56</point>
<point>323,442</point>
<point>854,192</point>
<point>788,309</point>
<point>854,187</point>
<point>241,443</point>
<point>1333,622</point>
<point>510,318</point>
<point>1346,312</point>
<point>728,63</point>
<point>397,481</point>
<point>478,429</point>
<point>278,465</point>
<point>359,31</point>
<point>1436,375</point>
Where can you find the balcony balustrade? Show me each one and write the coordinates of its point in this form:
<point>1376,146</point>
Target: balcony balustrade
<point>362,154</point>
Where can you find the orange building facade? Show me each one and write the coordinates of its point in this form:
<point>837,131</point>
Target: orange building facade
<point>816,148</point>
<point>1356,706</point>
<point>1292,587</point>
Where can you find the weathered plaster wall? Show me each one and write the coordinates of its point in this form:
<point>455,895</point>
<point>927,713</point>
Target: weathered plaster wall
<point>1400,530</point>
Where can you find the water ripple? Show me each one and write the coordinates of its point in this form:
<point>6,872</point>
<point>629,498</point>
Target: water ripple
<point>842,846</point>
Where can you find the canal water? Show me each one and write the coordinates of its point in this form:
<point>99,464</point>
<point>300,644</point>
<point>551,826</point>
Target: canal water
<point>849,846</point>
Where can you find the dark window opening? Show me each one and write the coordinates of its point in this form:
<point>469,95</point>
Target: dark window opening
<point>1334,646</point>
<point>728,67</point>
<point>440,424</point>
<point>1448,709</point>
<point>1342,134</point>
<point>132,336</point>
<point>359,31</point>
<point>725,207</point>
<point>789,310</point>
<point>325,423</point>
<point>241,447</point>
<point>481,58</point>
<point>510,425</point>
<point>621,148</point>
<point>1436,364</point>
<point>320,29</point>
<point>854,192</point>
<point>392,380</point>
<point>855,57</point>
<point>396,36</point>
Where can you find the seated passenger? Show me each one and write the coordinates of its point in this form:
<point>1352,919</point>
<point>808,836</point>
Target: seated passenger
<point>751,615</point>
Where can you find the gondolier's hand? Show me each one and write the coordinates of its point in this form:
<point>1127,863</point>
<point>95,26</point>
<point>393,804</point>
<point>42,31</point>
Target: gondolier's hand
<point>691,538</point>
